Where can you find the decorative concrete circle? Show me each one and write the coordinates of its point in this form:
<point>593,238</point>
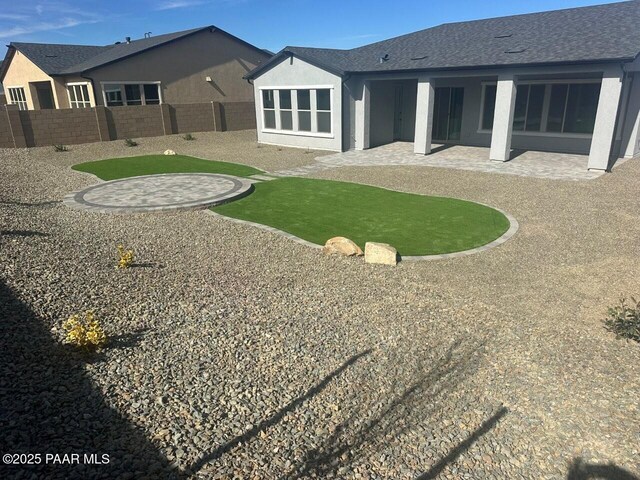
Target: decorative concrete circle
<point>163,192</point>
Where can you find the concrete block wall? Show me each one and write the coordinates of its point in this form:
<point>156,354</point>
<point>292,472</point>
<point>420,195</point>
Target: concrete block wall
<point>67,127</point>
<point>37,128</point>
<point>193,117</point>
<point>135,121</point>
<point>238,116</point>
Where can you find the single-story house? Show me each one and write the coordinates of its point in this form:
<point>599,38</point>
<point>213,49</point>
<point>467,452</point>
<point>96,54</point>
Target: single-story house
<point>193,66</point>
<point>559,81</point>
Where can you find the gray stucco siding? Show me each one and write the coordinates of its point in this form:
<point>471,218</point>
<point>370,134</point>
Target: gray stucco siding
<point>291,74</point>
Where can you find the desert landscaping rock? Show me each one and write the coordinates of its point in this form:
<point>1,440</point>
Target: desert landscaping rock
<point>341,246</point>
<point>236,353</point>
<point>169,152</point>
<point>382,253</point>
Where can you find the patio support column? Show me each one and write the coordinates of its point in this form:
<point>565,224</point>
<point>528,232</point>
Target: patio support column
<point>363,109</point>
<point>424,116</point>
<point>606,115</point>
<point>631,135</point>
<point>503,118</point>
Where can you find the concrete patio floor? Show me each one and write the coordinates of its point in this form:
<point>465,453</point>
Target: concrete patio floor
<point>556,166</point>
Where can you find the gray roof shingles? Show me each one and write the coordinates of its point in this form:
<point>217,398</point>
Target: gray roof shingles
<point>56,59</point>
<point>585,34</point>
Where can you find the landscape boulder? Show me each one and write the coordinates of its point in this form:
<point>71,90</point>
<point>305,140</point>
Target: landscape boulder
<point>382,253</point>
<point>169,152</point>
<point>341,246</point>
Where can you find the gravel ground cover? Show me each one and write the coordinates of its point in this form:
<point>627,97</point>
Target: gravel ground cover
<point>239,354</point>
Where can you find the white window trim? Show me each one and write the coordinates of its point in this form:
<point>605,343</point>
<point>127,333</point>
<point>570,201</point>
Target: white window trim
<point>24,95</point>
<point>294,105</point>
<point>131,82</point>
<point>75,84</point>
<point>545,107</point>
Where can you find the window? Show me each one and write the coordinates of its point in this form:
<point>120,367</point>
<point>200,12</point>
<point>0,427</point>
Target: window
<point>286,110</point>
<point>323,102</point>
<point>573,107</point>
<point>305,110</point>
<point>113,95</point>
<point>132,94</point>
<point>119,94</point>
<point>17,97</point>
<point>151,94</point>
<point>553,108</point>
<point>489,107</point>
<point>269,107</point>
<point>528,110</point>
<point>79,95</point>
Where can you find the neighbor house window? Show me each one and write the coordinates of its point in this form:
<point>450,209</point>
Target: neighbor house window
<point>17,97</point>
<point>552,108</point>
<point>286,110</point>
<point>269,107</point>
<point>113,95</point>
<point>304,110</point>
<point>79,95</point>
<point>131,93</point>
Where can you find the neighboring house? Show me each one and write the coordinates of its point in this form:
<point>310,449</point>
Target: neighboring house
<point>560,81</point>
<point>193,66</point>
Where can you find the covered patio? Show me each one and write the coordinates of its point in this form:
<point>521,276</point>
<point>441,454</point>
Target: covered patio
<point>556,166</point>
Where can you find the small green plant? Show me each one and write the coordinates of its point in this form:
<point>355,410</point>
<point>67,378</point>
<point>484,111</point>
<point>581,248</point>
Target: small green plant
<point>60,148</point>
<point>126,258</point>
<point>624,320</point>
<point>85,333</point>
<point>130,142</point>
<point>188,136</point>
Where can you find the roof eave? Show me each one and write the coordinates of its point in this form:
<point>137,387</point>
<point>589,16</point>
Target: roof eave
<point>286,54</point>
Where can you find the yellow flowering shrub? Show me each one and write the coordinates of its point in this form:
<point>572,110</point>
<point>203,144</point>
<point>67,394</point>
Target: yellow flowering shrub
<point>86,333</point>
<point>126,257</point>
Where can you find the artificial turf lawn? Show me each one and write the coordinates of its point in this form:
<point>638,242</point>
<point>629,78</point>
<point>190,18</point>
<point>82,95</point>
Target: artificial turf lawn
<point>317,210</point>
<point>115,168</point>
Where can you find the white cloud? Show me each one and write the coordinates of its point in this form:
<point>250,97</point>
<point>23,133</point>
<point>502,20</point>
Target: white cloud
<point>33,27</point>
<point>29,17</point>
<point>173,4</point>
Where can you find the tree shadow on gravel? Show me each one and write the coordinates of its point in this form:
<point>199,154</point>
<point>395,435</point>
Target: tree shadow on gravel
<point>461,448</point>
<point>22,233</point>
<point>356,437</point>
<point>33,204</point>
<point>277,417</point>
<point>580,470</point>
<point>48,405</point>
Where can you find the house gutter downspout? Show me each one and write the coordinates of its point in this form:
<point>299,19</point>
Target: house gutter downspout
<point>95,97</point>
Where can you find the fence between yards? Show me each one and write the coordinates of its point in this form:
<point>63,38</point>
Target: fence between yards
<point>37,128</point>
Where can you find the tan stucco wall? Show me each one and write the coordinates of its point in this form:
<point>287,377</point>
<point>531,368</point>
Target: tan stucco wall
<point>182,66</point>
<point>21,71</point>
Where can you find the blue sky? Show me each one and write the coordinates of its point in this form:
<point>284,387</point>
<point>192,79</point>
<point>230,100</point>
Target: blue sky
<point>270,24</point>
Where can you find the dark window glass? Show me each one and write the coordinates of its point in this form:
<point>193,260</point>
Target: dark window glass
<point>534,112</point>
<point>324,122</point>
<point>556,107</point>
<point>286,120</point>
<point>323,99</point>
<point>269,119</point>
<point>132,92</point>
<point>267,99</point>
<point>304,100</point>
<point>285,99</point>
<point>151,94</point>
<point>582,106</point>
<point>489,107</point>
<point>520,114</point>
<point>304,121</point>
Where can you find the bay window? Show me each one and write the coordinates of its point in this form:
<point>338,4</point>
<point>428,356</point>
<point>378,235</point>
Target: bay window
<point>555,108</point>
<point>306,111</point>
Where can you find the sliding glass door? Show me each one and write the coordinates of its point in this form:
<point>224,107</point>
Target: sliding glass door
<point>447,113</point>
